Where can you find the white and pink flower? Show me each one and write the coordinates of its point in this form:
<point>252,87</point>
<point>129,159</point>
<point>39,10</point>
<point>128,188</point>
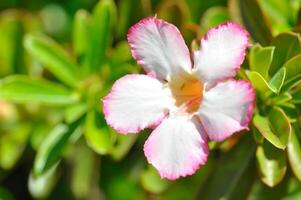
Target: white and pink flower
<point>185,103</point>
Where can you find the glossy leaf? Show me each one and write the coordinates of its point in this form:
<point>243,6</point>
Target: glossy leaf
<point>296,97</point>
<point>293,71</point>
<point>261,59</point>
<point>249,13</point>
<point>294,154</point>
<point>281,14</point>
<point>83,172</point>
<point>151,181</point>
<point>277,80</point>
<point>81,32</point>
<point>53,57</point>
<point>275,128</point>
<point>287,45</point>
<point>282,98</point>
<point>41,186</point>
<point>9,154</point>
<point>271,164</point>
<point>5,194</point>
<point>24,89</point>
<point>74,112</point>
<point>99,139</point>
<point>214,16</point>
<point>226,176</point>
<point>51,148</point>
<point>122,145</point>
<point>259,83</point>
<point>102,21</point>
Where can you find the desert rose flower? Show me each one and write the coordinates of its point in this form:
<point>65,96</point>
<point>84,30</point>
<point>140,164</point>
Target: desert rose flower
<point>185,103</point>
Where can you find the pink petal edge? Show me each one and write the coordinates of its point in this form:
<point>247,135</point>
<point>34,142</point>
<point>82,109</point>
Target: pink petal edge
<point>248,118</point>
<point>195,164</point>
<point>106,110</point>
<point>240,30</point>
<point>134,30</point>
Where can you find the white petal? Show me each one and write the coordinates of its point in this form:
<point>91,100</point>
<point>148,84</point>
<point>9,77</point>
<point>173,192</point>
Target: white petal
<point>177,147</point>
<point>227,108</point>
<point>136,102</point>
<point>159,47</point>
<point>221,53</point>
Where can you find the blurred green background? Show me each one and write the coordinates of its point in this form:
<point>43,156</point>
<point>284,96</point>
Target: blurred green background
<point>59,58</point>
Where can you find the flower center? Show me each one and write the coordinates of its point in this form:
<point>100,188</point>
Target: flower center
<point>188,94</point>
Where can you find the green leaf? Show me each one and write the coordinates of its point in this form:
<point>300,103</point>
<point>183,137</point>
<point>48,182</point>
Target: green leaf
<point>5,194</point>
<point>74,112</point>
<point>51,148</point>
<point>296,99</point>
<point>9,154</point>
<point>294,154</point>
<point>282,98</point>
<point>287,45</point>
<point>271,164</point>
<point>261,59</point>
<point>103,20</point>
<point>275,128</point>
<point>53,57</point>
<point>41,186</point>
<point>99,139</point>
<point>277,80</point>
<point>281,14</point>
<point>122,145</point>
<point>152,182</point>
<point>259,83</point>
<point>225,178</point>
<point>250,14</point>
<point>24,89</point>
<point>83,172</point>
<point>81,33</point>
<point>293,72</point>
<point>214,16</point>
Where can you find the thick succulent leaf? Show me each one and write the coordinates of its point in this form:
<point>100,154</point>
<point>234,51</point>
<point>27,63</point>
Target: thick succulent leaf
<point>99,139</point>
<point>214,16</point>
<point>51,148</point>
<point>81,33</point>
<point>293,72</point>
<point>123,145</point>
<point>101,27</point>
<point>225,178</point>
<point>281,14</point>
<point>250,14</point>
<point>271,164</point>
<point>74,112</point>
<point>83,173</point>
<point>9,154</point>
<point>21,89</point>
<point>287,45</point>
<point>151,181</point>
<point>277,80</point>
<point>41,186</point>
<point>53,57</point>
<point>296,97</point>
<point>259,83</point>
<point>282,98</point>
<point>294,153</point>
<point>275,127</point>
<point>260,59</point>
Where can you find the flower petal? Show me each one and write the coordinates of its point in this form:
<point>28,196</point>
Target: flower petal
<point>221,53</point>
<point>136,102</point>
<point>177,147</point>
<point>159,47</point>
<point>227,108</point>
